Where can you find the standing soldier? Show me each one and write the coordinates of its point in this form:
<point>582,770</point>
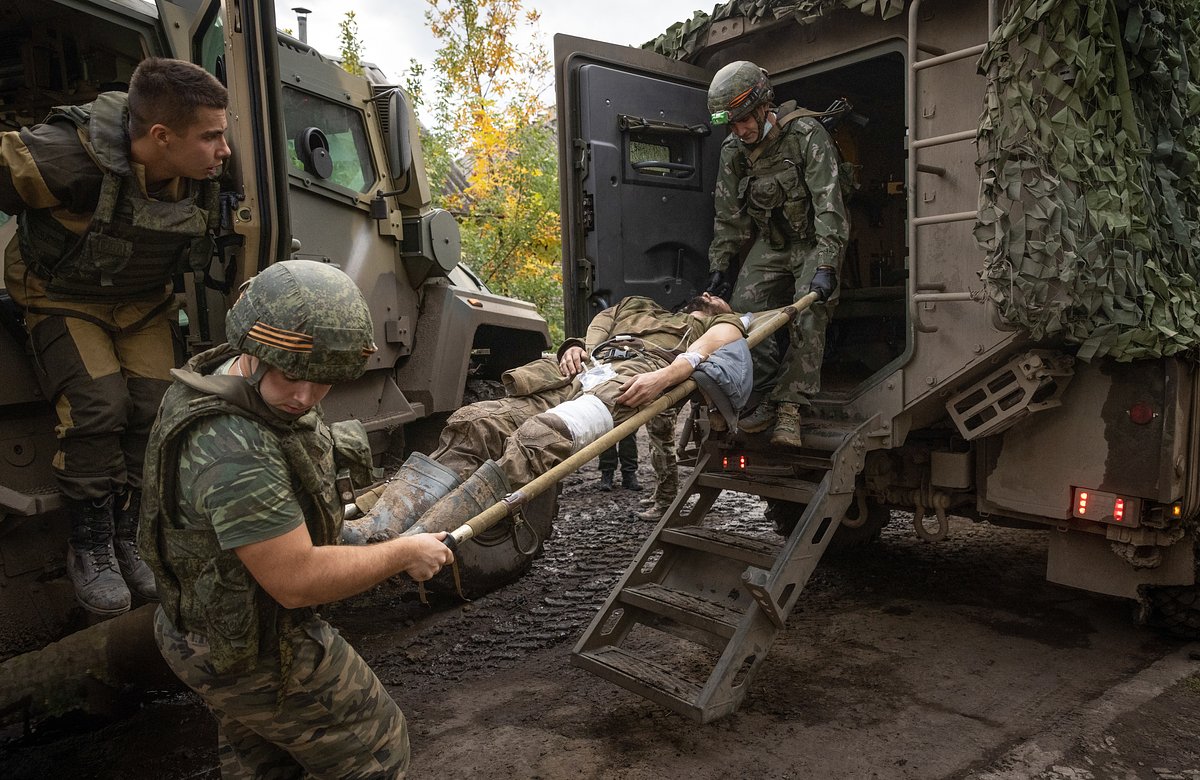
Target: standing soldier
<point>114,198</point>
<point>660,430</point>
<point>241,524</point>
<point>778,185</point>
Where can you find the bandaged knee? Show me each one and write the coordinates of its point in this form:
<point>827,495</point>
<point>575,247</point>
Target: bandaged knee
<point>586,418</point>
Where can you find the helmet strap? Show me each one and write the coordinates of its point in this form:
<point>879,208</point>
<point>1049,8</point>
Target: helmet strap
<point>255,376</point>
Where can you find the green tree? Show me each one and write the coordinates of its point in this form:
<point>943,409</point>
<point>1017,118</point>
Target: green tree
<point>491,119</point>
<point>352,48</point>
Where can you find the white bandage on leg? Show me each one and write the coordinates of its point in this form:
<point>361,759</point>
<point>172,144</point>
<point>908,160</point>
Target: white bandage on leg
<point>586,417</point>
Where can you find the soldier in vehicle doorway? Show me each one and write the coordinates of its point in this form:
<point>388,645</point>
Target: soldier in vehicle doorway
<point>778,185</point>
<point>113,199</point>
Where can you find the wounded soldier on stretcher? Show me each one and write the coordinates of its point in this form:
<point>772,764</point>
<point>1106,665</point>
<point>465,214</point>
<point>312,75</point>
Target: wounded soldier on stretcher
<point>634,352</point>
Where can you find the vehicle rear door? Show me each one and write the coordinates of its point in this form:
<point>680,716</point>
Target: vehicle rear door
<point>637,169</point>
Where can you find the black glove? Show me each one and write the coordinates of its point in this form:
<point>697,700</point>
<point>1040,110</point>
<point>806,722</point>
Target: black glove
<point>717,285</point>
<point>823,282</point>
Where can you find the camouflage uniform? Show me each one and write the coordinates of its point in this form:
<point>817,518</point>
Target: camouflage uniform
<point>515,431</point>
<point>91,266</point>
<point>663,458</point>
<point>291,697</point>
<point>785,194</point>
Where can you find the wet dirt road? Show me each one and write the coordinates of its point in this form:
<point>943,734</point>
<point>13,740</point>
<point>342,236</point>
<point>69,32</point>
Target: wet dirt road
<point>903,660</point>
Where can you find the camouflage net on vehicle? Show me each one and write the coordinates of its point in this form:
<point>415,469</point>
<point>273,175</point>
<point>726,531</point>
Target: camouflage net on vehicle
<point>1088,151</point>
<point>683,39</point>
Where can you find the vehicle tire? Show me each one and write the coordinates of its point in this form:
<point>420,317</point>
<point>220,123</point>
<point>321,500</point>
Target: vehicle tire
<point>785,514</point>
<point>1175,610</point>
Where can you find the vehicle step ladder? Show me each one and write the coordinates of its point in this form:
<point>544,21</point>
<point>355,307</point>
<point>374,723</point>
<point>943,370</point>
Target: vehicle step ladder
<point>701,596</point>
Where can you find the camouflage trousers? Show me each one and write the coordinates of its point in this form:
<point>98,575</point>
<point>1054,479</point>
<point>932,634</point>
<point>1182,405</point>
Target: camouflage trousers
<point>771,278</point>
<point>334,719</point>
<point>519,434</point>
<point>661,432</point>
<point>105,370</point>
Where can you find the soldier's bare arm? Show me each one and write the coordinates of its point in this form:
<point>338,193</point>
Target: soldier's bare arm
<point>297,574</point>
<point>646,387</point>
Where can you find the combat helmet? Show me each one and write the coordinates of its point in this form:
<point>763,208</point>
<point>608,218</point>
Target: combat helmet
<point>305,318</point>
<point>736,90</point>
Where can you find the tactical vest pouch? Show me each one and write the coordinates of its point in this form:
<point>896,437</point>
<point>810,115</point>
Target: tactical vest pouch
<point>200,254</point>
<point>799,220</point>
<point>221,602</point>
<point>101,254</point>
<point>766,192</point>
<point>352,452</point>
<point>183,218</point>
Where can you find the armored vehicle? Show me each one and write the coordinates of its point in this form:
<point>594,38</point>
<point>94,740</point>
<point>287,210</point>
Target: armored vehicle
<point>1015,338</point>
<point>326,166</point>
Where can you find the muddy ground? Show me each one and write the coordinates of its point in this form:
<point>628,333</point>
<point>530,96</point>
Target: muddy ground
<point>903,660</point>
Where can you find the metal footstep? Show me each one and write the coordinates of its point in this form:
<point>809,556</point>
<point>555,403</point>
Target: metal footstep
<point>691,621</point>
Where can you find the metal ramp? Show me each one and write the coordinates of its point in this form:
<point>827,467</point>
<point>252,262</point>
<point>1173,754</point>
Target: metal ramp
<point>691,621</point>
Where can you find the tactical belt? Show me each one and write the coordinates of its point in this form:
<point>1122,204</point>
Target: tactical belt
<point>626,347</point>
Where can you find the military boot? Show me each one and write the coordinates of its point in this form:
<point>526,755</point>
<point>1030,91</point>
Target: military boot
<point>137,574</point>
<point>787,427</point>
<point>395,506</point>
<point>760,419</point>
<point>629,480</point>
<point>606,481</point>
<point>92,561</point>
<point>477,492</point>
<point>656,509</point>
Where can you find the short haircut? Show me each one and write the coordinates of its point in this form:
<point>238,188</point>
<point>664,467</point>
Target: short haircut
<point>169,92</point>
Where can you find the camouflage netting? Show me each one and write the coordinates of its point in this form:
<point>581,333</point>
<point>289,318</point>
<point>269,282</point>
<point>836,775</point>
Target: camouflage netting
<point>683,39</point>
<point>1088,151</point>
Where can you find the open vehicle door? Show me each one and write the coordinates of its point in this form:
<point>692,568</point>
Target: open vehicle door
<point>237,43</point>
<point>637,168</point>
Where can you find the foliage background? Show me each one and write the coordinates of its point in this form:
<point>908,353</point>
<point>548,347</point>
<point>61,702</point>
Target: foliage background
<point>492,142</point>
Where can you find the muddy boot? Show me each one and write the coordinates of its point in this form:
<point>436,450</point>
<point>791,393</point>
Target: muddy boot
<point>137,574</point>
<point>92,561</point>
<point>787,427</point>
<point>629,480</point>
<point>606,481</point>
<point>760,419</point>
<point>478,492</point>
<point>396,505</point>
<point>656,510</point>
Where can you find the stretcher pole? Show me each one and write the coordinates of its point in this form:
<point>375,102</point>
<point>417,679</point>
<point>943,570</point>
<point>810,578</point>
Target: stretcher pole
<point>762,326</point>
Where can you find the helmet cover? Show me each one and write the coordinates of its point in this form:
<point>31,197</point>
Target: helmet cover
<point>305,318</point>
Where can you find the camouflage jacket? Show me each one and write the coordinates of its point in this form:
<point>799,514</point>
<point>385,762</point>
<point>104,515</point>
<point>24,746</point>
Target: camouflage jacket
<point>641,318</point>
<point>666,334</point>
<point>88,228</point>
<point>789,191</point>
<point>245,466</point>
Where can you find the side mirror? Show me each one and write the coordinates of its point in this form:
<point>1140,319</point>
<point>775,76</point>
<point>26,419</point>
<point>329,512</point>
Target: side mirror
<point>399,148</point>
